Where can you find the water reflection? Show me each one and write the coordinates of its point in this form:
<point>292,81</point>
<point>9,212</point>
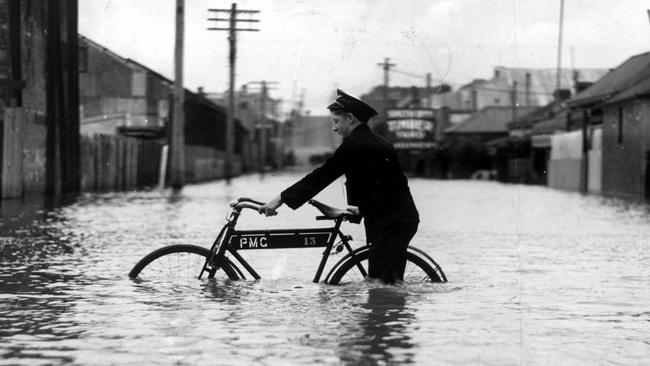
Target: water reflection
<point>37,312</point>
<point>576,266</point>
<point>37,273</point>
<point>383,330</point>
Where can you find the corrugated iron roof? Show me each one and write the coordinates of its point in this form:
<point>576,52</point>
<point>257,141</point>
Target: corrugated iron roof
<point>640,89</point>
<point>622,78</point>
<point>550,126</point>
<point>488,120</point>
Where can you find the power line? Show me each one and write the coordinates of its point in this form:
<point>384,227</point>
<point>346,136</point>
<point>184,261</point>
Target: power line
<point>232,38</point>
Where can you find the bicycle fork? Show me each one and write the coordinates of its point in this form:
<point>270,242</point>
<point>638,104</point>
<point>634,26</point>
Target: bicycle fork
<point>211,264</point>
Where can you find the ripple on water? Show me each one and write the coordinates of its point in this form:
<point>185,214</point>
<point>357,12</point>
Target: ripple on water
<point>536,276</point>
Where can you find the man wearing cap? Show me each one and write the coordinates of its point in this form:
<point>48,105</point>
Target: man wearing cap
<point>375,183</point>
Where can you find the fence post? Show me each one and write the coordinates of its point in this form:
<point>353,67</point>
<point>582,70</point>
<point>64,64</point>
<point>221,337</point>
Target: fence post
<point>12,153</point>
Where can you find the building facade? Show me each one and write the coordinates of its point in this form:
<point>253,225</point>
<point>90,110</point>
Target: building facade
<point>120,96</point>
<point>616,108</point>
<point>39,97</point>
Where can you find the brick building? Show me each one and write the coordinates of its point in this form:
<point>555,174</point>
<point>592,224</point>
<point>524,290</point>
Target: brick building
<point>619,106</point>
<point>39,97</point>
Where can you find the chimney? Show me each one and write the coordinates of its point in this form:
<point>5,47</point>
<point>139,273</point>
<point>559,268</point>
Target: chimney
<point>200,91</point>
<point>513,95</point>
<point>582,85</point>
<point>561,94</point>
<point>415,97</point>
<point>474,99</point>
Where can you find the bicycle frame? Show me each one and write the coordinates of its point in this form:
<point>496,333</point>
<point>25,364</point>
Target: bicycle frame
<point>232,241</point>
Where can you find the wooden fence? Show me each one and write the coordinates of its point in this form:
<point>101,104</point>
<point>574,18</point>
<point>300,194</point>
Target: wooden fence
<point>22,155</point>
<point>118,163</point>
<point>108,162</point>
<point>12,153</point>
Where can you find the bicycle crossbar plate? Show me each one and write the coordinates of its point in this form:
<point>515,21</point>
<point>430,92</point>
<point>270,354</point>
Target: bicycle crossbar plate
<point>279,239</point>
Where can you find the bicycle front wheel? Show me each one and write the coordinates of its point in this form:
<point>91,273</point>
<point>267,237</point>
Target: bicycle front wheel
<point>179,261</point>
<point>417,269</point>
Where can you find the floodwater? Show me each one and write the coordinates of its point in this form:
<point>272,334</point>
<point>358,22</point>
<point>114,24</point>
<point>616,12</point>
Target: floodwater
<point>536,277</point>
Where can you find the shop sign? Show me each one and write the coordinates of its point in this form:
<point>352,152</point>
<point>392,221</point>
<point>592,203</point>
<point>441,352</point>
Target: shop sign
<point>411,129</point>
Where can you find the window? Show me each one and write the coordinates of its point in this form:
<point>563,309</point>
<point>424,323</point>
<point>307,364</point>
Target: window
<point>83,58</point>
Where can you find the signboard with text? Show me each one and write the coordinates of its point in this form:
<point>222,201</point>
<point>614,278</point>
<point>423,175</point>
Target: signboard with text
<point>411,129</point>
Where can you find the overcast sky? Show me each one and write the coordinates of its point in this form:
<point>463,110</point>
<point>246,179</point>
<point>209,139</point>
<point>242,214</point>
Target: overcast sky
<point>316,45</point>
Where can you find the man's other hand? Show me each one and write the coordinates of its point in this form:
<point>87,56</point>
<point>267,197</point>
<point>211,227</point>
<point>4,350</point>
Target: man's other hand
<point>269,208</point>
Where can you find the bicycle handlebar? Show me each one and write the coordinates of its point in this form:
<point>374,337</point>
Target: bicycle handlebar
<point>252,205</point>
<point>246,199</point>
<point>329,213</point>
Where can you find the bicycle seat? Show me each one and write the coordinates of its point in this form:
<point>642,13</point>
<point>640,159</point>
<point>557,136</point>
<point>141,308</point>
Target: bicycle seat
<point>333,213</point>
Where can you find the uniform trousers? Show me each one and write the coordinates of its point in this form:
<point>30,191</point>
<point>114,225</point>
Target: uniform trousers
<point>388,245</point>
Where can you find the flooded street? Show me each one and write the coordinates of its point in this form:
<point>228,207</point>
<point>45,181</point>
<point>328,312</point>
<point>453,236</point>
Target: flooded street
<point>536,277</point>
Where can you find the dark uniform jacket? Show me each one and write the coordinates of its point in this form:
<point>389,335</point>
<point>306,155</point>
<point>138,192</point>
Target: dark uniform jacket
<point>374,180</point>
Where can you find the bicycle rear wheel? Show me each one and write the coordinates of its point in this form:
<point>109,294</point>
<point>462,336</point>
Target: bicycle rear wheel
<point>180,261</point>
<point>417,269</point>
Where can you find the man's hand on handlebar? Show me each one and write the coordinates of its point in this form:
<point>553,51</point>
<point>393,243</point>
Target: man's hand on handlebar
<point>269,208</point>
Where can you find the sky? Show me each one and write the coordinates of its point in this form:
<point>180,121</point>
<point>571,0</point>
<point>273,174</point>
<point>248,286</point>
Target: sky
<point>311,47</point>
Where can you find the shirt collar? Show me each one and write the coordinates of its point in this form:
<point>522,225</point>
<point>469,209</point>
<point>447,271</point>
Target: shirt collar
<point>361,127</point>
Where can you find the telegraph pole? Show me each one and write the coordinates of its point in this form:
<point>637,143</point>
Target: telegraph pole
<point>515,104</point>
<point>386,65</point>
<point>262,125</point>
<point>429,96</point>
<point>558,79</point>
<point>232,38</point>
<point>177,131</point>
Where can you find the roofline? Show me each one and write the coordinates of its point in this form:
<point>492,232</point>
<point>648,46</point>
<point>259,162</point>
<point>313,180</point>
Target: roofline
<point>476,132</point>
<point>643,95</point>
<point>581,102</point>
<point>202,99</point>
<point>591,100</point>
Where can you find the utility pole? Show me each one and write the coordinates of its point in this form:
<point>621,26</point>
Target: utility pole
<point>264,128</point>
<point>559,51</point>
<point>515,104</point>
<point>232,38</point>
<point>386,65</point>
<point>429,96</point>
<point>177,140</point>
<point>262,125</point>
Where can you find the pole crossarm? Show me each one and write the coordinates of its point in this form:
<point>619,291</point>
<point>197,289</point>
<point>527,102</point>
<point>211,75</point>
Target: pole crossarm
<point>233,21</point>
<point>235,29</point>
<point>267,83</point>
<point>236,11</point>
<point>239,20</point>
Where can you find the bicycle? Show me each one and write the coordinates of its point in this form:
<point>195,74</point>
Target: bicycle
<point>185,260</point>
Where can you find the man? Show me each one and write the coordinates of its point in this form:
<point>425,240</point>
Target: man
<point>375,183</point>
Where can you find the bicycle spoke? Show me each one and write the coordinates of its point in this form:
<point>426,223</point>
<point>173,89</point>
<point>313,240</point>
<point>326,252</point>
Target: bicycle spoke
<point>181,261</point>
<point>174,265</point>
<point>417,270</point>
